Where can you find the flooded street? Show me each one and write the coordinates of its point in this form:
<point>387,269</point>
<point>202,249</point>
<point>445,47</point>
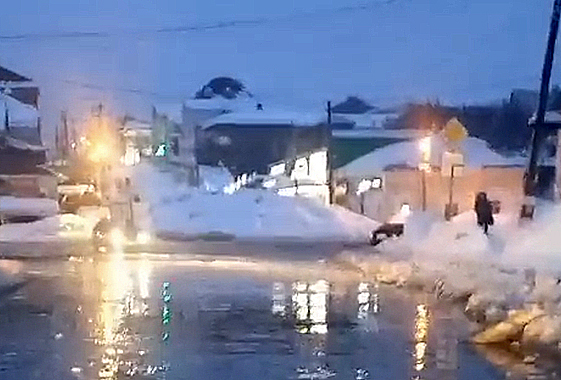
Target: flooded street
<point>149,316</point>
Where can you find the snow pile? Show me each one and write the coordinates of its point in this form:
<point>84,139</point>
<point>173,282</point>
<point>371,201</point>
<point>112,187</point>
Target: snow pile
<point>215,179</point>
<point>502,301</point>
<point>508,281</point>
<point>539,242</point>
<point>54,228</point>
<point>253,214</point>
<point>28,206</point>
<point>476,151</point>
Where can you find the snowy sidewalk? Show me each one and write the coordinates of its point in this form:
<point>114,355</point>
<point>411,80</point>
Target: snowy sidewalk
<point>184,213</point>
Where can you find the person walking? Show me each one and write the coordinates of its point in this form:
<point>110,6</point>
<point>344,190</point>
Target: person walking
<point>484,211</point>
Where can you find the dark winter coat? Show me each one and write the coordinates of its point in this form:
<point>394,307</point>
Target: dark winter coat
<point>483,209</point>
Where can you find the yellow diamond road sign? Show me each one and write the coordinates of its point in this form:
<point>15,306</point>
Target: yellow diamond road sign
<point>454,130</point>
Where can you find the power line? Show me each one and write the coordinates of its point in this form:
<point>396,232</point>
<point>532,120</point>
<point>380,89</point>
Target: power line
<point>96,87</point>
<point>227,24</point>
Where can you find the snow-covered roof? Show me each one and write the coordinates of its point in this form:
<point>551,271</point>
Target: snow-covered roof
<point>405,134</point>
<point>174,110</point>
<point>19,114</point>
<point>476,154</point>
<point>7,75</point>
<point>551,117</point>
<point>22,145</point>
<point>267,117</point>
<point>137,125</point>
<point>221,103</point>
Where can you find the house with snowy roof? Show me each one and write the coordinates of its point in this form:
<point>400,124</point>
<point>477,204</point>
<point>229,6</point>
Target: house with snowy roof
<point>359,128</point>
<point>21,150</point>
<point>380,183</point>
<point>223,124</point>
<point>175,125</point>
<point>247,141</point>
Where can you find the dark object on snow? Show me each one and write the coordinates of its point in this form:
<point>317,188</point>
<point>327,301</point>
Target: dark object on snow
<point>11,219</point>
<point>484,210</point>
<point>385,231</point>
<point>451,210</point>
<point>527,211</point>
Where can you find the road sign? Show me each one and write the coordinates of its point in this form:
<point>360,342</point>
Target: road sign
<point>455,131</point>
<point>452,160</point>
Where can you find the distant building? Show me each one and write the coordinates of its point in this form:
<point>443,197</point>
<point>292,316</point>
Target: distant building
<point>21,149</point>
<point>136,140</point>
<point>370,130</point>
<point>249,141</point>
<point>395,169</point>
<point>174,140</point>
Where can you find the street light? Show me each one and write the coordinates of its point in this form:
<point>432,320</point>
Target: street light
<point>424,166</point>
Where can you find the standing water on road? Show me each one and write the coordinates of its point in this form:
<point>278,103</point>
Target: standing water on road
<point>158,316</point>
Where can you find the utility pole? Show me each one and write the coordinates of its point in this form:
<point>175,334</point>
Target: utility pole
<point>64,121</point>
<point>57,143</point>
<point>539,134</point>
<point>424,190</point>
<point>329,156</point>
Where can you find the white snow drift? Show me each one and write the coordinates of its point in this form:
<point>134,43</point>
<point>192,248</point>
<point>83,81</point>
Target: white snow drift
<point>250,214</point>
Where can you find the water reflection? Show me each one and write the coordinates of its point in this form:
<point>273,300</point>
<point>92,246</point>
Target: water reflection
<point>279,299</point>
<point>421,336</point>
<point>363,299</point>
<point>144,273</point>
<point>122,303</point>
<point>310,306</point>
<point>368,301</point>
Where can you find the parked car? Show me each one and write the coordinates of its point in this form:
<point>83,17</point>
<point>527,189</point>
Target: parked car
<point>385,231</point>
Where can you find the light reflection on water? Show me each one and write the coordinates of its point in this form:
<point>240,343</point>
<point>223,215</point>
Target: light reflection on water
<point>310,306</point>
<point>421,336</point>
<point>279,299</point>
<point>123,295</point>
<point>334,323</point>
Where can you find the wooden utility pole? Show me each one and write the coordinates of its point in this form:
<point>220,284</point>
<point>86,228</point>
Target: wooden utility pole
<point>531,176</point>
<point>57,142</point>
<point>64,122</point>
<point>329,156</point>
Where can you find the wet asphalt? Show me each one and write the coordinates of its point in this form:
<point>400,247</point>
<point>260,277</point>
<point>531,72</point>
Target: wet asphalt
<point>202,315</point>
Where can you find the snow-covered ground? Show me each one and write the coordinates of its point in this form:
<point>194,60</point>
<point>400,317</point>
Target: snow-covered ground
<point>28,206</point>
<point>53,228</point>
<point>510,280</point>
<point>246,214</point>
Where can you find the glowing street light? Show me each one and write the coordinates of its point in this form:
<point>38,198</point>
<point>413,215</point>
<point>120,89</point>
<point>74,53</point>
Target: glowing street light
<point>425,148</point>
<point>424,165</point>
